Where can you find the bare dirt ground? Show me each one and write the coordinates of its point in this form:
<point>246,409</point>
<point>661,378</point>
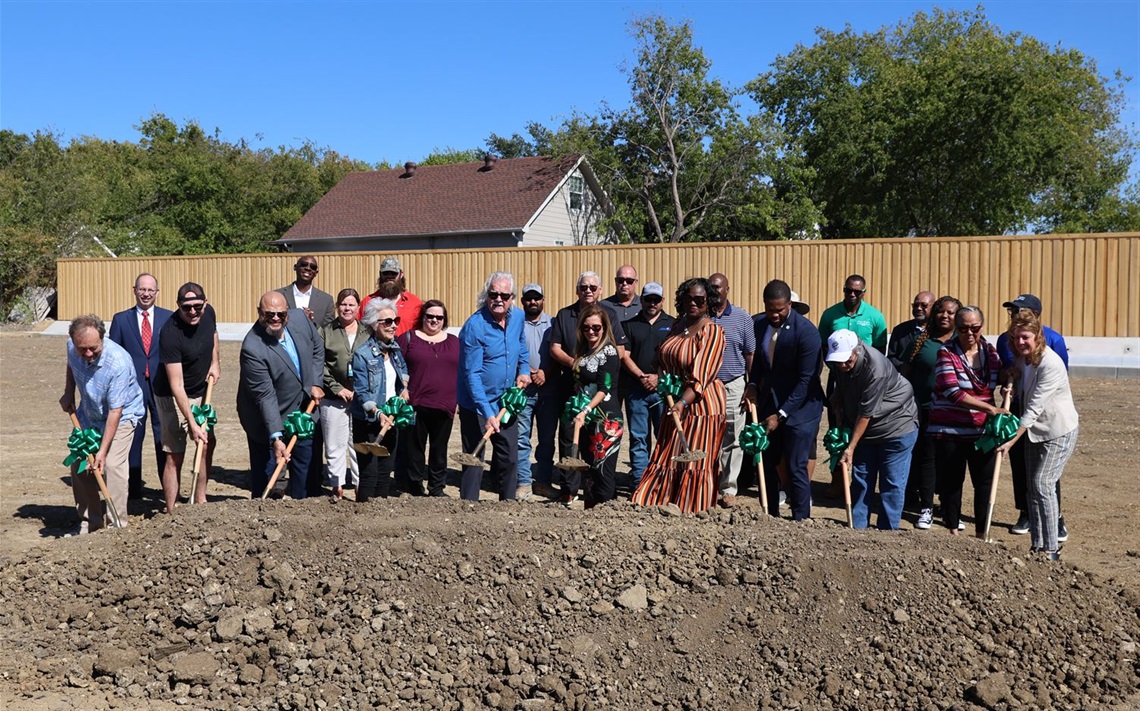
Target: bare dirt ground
<point>417,603</point>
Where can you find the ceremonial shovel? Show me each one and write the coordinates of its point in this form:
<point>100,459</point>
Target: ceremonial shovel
<point>690,454</point>
<point>464,459</point>
<point>198,448</point>
<point>375,448</point>
<point>760,464</point>
<point>1006,396</point>
<point>288,450</point>
<point>572,461</point>
<point>847,494</point>
<point>99,480</point>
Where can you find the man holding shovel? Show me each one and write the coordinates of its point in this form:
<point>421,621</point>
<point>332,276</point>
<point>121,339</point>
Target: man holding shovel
<point>493,358</point>
<point>111,403</point>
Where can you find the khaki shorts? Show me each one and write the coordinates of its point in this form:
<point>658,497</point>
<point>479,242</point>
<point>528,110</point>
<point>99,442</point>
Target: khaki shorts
<point>173,425</point>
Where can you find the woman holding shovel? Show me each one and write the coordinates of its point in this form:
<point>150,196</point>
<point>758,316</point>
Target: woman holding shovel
<point>342,337</point>
<point>692,354</point>
<point>596,368</point>
<point>378,374</point>
<point>1049,420</point>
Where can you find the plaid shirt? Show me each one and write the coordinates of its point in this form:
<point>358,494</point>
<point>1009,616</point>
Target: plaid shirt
<point>105,385</point>
<point>740,341</point>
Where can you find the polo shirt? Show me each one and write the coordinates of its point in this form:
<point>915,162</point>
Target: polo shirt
<point>740,340</point>
<point>624,313</point>
<point>868,324</point>
<point>564,332</point>
<point>106,384</point>
<point>875,389</point>
<point>644,340</point>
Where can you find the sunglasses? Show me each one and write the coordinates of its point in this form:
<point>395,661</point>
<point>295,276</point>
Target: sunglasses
<point>588,287</point>
<point>433,317</point>
<point>389,322</point>
<point>696,300</point>
<point>970,329</point>
<point>651,299</point>
<point>307,265</point>
<point>625,280</point>
<point>919,305</point>
<point>855,292</point>
<point>389,275</point>
<point>188,308</point>
<point>499,295</point>
<point>532,297</point>
<point>593,328</point>
<point>274,315</point>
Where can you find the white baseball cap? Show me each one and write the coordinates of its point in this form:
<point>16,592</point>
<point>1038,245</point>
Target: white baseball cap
<point>840,345</point>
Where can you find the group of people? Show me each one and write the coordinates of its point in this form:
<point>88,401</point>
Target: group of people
<point>383,380</point>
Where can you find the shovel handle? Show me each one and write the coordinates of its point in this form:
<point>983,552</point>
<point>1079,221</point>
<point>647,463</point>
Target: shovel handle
<point>198,445</point>
<point>1001,399</point>
<point>283,462</point>
<point>847,494</point>
<point>99,480</point>
<point>677,424</point>
<point>762,480</point>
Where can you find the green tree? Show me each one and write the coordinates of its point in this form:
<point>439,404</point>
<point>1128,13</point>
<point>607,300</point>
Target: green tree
<point>944,125</point>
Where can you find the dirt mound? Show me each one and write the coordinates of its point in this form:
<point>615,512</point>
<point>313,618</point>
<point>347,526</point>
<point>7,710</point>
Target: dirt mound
<point>417,603</point>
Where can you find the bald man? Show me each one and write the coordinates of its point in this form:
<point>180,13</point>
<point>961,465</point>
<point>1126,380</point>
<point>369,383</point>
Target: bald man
<point>282,366</point>
<point>902,333</point>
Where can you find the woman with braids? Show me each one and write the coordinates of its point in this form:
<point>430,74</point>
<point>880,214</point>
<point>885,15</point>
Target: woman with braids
<point>595,371</point>
<point>965,380</point>
<point>1050,422</point>
<point>693,353</point>
<point>918,359</point>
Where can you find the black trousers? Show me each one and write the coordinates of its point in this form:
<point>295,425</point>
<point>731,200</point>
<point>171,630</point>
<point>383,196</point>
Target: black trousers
<point>375,472</point>
<point>504,446</point>
<point>134,460</point>
<point>601,479</point>
<point>953,456</point>
<point>427,449</point>
<point>923,467</point>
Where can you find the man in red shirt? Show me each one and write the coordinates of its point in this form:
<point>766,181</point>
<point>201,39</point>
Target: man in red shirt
<point>393,285</point>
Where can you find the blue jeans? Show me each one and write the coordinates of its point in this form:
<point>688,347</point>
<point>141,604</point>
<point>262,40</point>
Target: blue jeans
<point>644,410</point>
<point>543,411</point>
<point>889,462</point>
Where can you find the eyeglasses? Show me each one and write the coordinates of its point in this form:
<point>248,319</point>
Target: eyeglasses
<point>970,329</point>
<point>651,299</point>
<point>696,300</point>
<point>499,295</point>
<point>389,322</point>
<point>588,287</point>
<point>593,328</point>
<point>433,317</point>
<point>274,315</point>
<point>145,291</point>
<point>853,292</point>
<point>307,265</point>
<point>625,280</point>
<point>187,308</point>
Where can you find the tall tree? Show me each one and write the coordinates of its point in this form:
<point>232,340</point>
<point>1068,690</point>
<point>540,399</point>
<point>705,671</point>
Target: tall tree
<point>944,125</point>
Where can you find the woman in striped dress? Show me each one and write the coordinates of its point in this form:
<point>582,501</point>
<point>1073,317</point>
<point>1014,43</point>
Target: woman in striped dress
<point>693,352</point>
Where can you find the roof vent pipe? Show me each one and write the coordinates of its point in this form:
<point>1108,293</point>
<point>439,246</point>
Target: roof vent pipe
<point>489,162</point>
<point>409,169</point>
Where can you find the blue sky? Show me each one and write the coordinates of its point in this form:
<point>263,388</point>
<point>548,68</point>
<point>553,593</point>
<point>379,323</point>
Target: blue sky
<point>395,81</point>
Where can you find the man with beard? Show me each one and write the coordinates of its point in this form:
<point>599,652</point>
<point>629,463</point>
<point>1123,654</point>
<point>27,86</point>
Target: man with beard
<point>646,332</point>
<point>301,294</point>
<point>392,284</point>
<point>541,401</point>
<point>902,333</point>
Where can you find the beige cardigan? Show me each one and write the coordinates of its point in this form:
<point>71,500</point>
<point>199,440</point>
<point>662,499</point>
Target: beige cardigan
<point>1044,389</point>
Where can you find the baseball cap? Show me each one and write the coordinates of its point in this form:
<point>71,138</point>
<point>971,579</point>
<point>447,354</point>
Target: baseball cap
<point>191,292</point>
<point>537,288</point>
<point>840,345</point>
<point>801,308</point>
<point>1024,301</point>
<point>653,289</point>
<point>391,264</point>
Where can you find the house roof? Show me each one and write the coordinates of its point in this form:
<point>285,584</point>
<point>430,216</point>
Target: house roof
<point>435,200</point>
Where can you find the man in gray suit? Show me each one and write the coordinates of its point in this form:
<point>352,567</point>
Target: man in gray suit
<point>282,365</point>
<point>301,294</point>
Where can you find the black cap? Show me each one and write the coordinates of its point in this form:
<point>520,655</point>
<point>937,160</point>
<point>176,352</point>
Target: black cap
<point>191,292</point>
<point>1025,301</point>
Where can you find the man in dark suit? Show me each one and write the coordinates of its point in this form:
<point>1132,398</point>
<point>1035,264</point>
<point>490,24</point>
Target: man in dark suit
<point>301,294</point>
<point>784,384</point>
<point>282,366</point>
<point>136,330</point>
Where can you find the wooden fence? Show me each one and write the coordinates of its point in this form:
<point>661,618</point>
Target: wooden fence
<point>1090,284</point>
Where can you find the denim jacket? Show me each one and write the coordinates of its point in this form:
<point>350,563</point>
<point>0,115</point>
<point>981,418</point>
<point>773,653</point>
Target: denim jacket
<point>368,374</point>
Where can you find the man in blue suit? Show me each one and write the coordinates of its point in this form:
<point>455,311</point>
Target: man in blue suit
<point>136,330</point>
<point>784,384</point>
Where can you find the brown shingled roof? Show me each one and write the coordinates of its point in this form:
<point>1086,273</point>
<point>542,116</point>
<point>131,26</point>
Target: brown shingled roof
<point>437,199</point>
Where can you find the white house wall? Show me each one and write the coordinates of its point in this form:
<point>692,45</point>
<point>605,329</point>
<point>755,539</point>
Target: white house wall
<point>559,226</point>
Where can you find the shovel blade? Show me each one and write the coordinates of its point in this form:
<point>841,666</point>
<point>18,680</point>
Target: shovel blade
<point>693,455</point>
<point>464,459</point>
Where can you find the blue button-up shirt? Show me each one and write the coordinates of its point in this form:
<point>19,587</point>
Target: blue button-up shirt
<point>106,384</point>
<point>491,357</point>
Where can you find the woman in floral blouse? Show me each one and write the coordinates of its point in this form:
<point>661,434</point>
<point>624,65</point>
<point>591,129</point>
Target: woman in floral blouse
<point>596,368</point>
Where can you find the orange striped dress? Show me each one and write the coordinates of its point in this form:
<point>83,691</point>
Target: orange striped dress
<point>692,486</point>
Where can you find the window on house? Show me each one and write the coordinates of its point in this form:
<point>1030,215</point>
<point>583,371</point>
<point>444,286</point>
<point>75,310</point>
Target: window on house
<point>577,188</point>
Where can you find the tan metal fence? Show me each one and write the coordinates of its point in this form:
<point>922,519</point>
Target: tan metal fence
<point>1088,283</point>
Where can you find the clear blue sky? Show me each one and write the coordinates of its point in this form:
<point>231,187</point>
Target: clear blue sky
<point>394,81</point>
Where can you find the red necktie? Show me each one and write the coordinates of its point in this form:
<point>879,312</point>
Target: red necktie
<point>146,340</point>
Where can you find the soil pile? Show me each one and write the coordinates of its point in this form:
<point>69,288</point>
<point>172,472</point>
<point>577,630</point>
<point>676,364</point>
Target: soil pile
<point>417,603</point>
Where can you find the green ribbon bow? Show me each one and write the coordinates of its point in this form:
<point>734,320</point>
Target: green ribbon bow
<point>82,443</point>
<point>514,400</point>
<point>670,384</point>
<point>999,429</point>
<point>835,441</point>
<point>205,414</point>
<point>401,411</point>
<point>578,403</point>
<point>299,424</point>
<point>753,440</point>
